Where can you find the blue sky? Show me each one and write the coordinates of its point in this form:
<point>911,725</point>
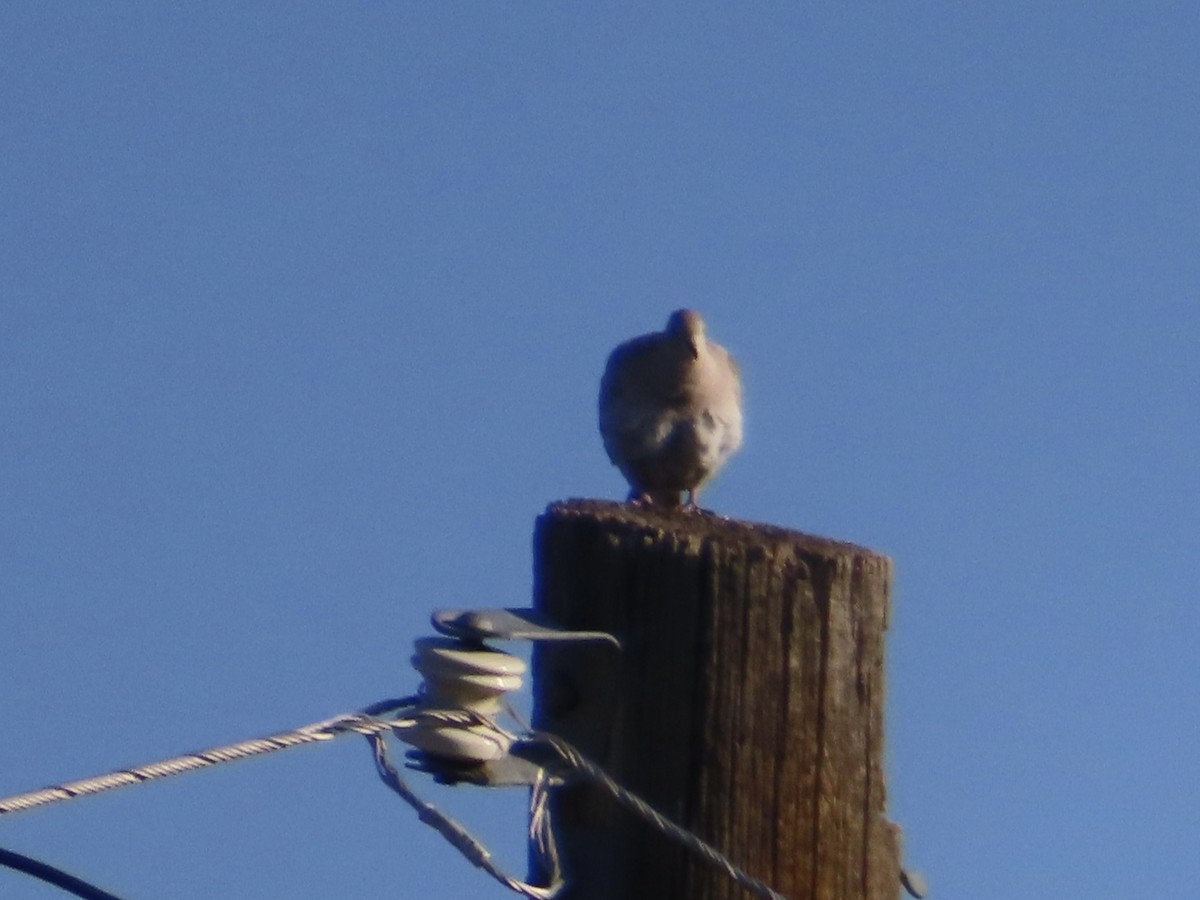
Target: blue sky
<point>303,310</point>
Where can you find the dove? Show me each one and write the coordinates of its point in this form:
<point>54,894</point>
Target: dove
<point>670,410</point>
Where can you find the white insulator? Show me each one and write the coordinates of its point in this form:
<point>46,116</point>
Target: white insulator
<point>466,677</point>
<point>478,743</point>
<point>458,677</point>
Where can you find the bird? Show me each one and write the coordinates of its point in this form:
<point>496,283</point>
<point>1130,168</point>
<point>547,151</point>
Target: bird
<point>670,410</point>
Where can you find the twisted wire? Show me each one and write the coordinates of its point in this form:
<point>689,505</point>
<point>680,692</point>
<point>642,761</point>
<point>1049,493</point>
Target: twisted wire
<point>540,834</point>
<point>364,722</point>
<point>368,723</point>
<point>577,762</point>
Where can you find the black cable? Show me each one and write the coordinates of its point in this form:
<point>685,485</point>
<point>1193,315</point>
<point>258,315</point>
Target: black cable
<point>51,875</point>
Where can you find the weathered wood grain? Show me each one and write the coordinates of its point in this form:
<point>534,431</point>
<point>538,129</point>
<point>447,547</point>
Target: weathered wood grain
<point>746,704</point>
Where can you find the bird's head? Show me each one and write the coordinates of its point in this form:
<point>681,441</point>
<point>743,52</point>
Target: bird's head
<point>687,325</point>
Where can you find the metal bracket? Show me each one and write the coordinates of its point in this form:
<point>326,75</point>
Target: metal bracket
<point>510,624</point>
<point>508,771</point>
<point>462,673</point>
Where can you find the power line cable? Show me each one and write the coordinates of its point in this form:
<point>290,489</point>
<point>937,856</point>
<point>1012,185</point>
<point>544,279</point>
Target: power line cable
<point>584,767</point>
<point>52,875</point>
<point>532,746</point>
<point>364,722</point>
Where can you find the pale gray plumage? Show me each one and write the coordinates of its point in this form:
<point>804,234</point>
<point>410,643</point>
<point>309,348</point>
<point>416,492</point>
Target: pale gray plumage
<point>670,410</point>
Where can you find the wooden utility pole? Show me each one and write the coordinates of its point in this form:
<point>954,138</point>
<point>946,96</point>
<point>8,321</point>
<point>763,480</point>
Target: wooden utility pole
<point>746,703</point>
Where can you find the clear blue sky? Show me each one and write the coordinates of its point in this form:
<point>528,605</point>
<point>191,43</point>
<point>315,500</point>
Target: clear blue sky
<point>303,309</point>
